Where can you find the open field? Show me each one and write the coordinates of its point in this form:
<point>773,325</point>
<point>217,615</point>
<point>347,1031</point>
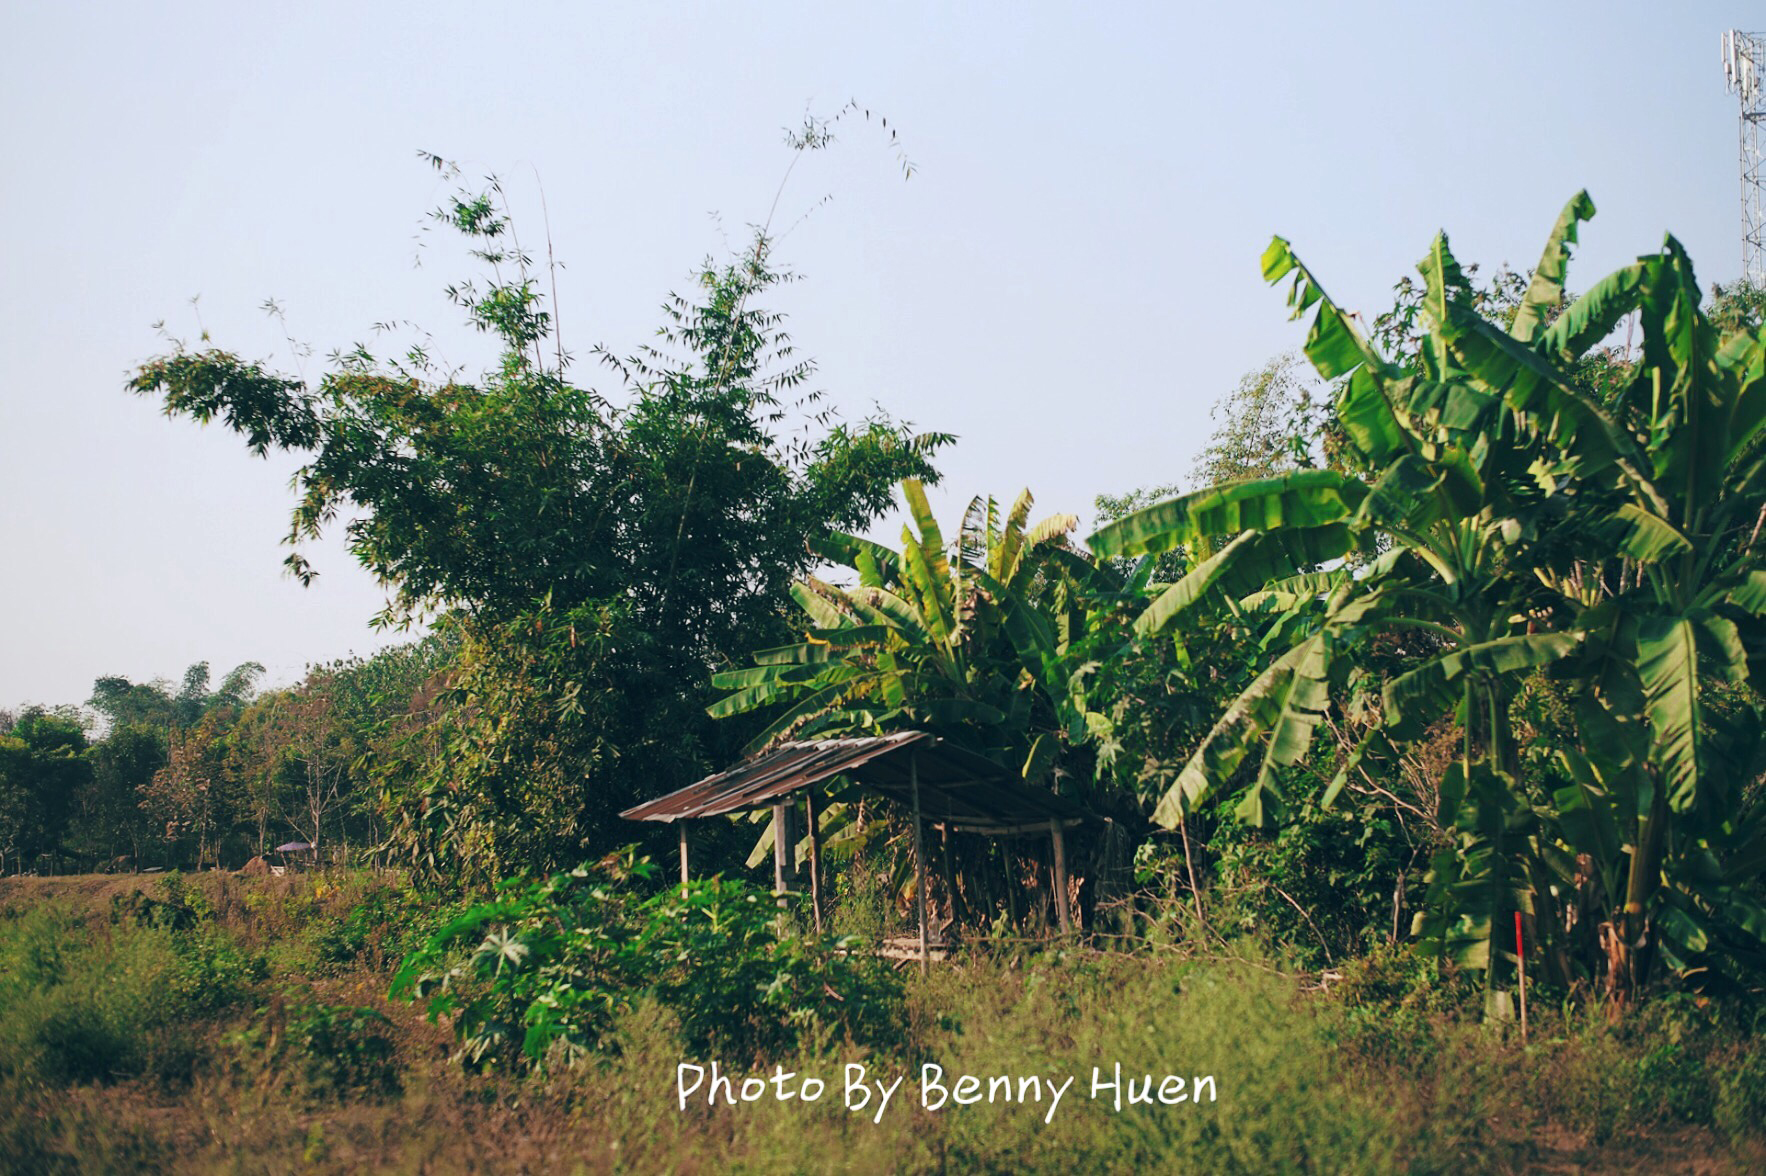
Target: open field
<point>242,1025</point>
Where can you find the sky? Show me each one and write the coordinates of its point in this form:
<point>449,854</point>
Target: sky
<point>1068,281</point>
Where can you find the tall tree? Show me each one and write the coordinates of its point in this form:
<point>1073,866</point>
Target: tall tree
<point>1267,424</point>
<point>598,561</point>
<point>110,819</point>
<point>42,771</point>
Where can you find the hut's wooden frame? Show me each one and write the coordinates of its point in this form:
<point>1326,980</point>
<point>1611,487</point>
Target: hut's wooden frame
<point>995,805</point>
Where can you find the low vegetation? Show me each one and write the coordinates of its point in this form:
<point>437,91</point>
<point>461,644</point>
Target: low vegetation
<point>216,1026</point>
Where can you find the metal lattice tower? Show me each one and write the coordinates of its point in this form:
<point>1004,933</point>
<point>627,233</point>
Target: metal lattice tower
<point>1744,72</point>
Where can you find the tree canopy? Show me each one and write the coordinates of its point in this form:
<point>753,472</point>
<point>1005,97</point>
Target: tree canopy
<point>600,557</point>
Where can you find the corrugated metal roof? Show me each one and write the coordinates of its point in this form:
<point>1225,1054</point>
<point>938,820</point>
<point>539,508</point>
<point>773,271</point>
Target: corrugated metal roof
<point>956,786</point>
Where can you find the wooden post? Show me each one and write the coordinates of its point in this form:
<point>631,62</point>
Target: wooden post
<point>1014,898</point>
<point>979,866</point>
<point>919,865</point>
<point>950,876</point>
<point>1521,972</point>
<point>781,836</point>
<point>1058,836</point>
<point>815,855</point>
<point>683,827</point>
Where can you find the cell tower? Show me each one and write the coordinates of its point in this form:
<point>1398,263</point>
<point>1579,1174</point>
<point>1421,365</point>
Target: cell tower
<point>1744,71</point>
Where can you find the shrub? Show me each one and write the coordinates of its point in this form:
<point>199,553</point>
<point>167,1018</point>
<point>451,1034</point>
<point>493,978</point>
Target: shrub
<point>138,910</point>
<point>325,1051</point>
<point>742,989</point>
<point>1395,977</point>
<point>213,972</point>
<point>1740,1110</point>
<point>383,925</point>
<point>91,1003</point>
<point>556,961</point>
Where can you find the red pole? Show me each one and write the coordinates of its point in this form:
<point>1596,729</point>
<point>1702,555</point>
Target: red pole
<point>1521,967</point>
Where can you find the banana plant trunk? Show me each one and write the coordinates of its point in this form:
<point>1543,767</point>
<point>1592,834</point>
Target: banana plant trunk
<point>1630,950</point>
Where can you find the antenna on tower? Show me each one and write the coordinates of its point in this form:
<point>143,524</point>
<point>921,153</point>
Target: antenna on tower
<point>1744,74</point>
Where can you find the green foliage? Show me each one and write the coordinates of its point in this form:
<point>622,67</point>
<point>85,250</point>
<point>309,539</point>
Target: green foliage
<point>1321,882</point>
<point>1509,511</point>
<point>158,704</point>
<point>324,1051</point>
<point>599,560</point>
<point>199,773</point>
<point>379,929</point>
<point>1268,424</point>
<point>986,642</point>
<point>108,822</point>
<point>1397,978</point>
<point>137,909</point>
<point>1737,307</point>
<point>343,1048</point>
<point>1741,1094</point>
<point>80,1005</point>
<point>42,771</point>
<point>1390,1070</point>
<point>556,962</point>
<point>545,730</point>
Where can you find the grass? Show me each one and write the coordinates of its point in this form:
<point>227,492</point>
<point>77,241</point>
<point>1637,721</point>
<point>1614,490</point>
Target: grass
<point>254,1035</point>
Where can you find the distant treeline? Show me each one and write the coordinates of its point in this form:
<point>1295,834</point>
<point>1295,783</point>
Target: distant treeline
<point>194,774</point>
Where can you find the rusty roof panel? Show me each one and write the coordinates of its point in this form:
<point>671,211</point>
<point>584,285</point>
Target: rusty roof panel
<point>956,786</point>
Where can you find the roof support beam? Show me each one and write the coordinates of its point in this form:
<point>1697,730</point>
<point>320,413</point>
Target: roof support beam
<point>919,864</point>
<point>1060,876</point>
<point>782,844</point>
<point>683,828</point>
<point>815,854</point>
<point>999,830</point>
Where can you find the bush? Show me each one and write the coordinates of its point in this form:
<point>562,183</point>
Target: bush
<point>383,925</point>
<point>744,990</point>
<point>1740,1110</point>
<point>556,961</point>
<point>1320,884</point>
<point>325,1051</point>
<point>138,910</point>
<point>91,1003</point>
<point>1395,977</point>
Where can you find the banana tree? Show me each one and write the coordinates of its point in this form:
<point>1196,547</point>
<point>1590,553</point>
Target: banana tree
<point>969,643</point>
<point>989,642</point>
<point>1475,479</point>
<point>1663,800</point>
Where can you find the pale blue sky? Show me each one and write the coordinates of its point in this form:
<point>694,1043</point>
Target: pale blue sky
<point>1068,281</point>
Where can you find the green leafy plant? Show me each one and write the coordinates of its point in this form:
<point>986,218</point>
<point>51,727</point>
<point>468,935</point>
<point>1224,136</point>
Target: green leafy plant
<point>1496,513</point>
<point>324,1051</point>
<point>543,972</point>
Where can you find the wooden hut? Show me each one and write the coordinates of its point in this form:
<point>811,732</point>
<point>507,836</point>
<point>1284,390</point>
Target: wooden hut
<point>938,782</point>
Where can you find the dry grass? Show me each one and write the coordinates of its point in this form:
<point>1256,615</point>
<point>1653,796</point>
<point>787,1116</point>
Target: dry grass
<point>1305,1082</point>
